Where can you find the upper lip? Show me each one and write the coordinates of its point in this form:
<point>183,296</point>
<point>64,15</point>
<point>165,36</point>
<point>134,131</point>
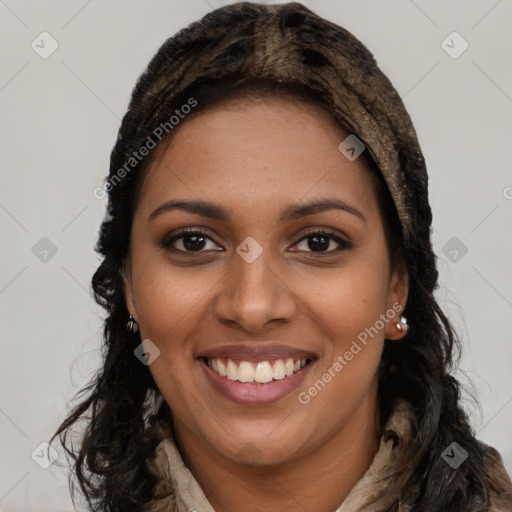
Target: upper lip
<point>256,352</point>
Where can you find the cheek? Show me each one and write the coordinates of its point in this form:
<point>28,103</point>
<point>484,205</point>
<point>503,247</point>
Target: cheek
<point>347,307</point>
<point>347,300</point>
<point>169,303</point>
<point>169,300</point>
<point>348,314</point>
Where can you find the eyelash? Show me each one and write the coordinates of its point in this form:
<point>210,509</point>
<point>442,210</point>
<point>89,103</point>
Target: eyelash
<point>344,244</point>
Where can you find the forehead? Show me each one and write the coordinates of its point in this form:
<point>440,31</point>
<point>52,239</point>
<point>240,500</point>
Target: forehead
<point>253,150</point>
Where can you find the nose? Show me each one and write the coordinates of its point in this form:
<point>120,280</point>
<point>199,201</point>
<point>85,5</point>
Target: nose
<point>254,294</point>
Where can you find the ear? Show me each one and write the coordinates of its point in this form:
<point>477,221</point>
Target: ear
<point>128,288</point>
<point>397,299</point>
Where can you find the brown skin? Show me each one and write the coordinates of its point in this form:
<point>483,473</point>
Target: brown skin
<point>255,158</point>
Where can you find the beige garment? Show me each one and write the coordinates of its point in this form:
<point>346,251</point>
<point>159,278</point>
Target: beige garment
<point>376,491</point>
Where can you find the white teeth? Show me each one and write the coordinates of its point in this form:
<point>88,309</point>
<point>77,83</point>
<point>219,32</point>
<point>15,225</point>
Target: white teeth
<point>246,372</point>
<point>222,368</point>
<point>232,370</point>
<point>278,370</point>
<point>288,367</point>
<point>261,372</point>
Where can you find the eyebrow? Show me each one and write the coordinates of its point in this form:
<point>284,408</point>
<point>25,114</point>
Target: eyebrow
<point>292,212</point>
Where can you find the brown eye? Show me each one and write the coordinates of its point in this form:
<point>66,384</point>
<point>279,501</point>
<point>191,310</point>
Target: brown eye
<point>322,242</point>
<point>190,241</point>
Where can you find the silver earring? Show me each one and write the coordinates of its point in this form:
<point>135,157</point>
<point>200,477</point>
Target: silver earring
<point>132,326</point>
<point>402,324</point>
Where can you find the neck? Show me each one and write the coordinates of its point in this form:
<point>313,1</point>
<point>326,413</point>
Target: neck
<point>319,481</point>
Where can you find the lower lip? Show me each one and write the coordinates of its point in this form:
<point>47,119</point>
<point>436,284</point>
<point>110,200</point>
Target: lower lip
<point>255,393</point>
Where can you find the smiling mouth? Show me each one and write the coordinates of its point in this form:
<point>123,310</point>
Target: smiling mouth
<point>261,372</point>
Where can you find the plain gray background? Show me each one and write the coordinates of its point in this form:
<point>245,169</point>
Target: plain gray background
<point>59,121</point>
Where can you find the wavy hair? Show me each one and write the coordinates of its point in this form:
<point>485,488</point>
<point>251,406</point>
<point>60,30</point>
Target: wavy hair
<point>288,51</point>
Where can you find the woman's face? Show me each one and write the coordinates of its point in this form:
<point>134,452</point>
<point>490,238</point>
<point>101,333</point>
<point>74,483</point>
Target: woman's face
<point>259,287</point>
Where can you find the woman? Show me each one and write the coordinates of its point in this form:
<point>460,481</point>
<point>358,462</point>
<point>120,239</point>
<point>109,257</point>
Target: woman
<point>272,340</point>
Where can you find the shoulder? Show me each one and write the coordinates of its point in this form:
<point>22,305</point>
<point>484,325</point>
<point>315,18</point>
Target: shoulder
<point>499,485</point>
